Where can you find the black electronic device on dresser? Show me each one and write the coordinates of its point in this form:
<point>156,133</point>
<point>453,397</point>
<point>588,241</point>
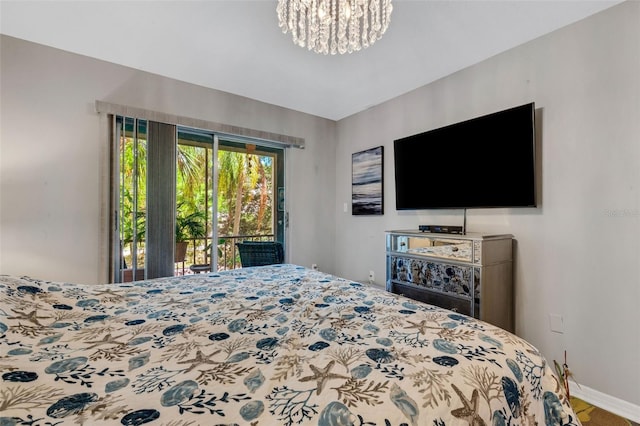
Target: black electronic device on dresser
<point>441,229</point>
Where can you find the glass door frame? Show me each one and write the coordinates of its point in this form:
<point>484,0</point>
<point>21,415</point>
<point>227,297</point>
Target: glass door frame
<point>277,151</point>
<point>264,148</point>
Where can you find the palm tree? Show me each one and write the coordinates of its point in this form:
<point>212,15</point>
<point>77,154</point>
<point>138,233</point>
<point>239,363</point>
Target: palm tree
<point>264,195</point>
<point>132,222</point>
<point>231,166</point>
<point>190,164</point>
<point>244,189</point>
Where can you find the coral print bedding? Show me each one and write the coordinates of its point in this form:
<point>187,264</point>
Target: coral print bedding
<point>272,345</point>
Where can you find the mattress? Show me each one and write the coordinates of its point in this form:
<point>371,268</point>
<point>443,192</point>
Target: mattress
<point>270,345</point>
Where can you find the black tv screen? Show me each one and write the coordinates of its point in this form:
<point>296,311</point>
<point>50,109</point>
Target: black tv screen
<point>488,161</point>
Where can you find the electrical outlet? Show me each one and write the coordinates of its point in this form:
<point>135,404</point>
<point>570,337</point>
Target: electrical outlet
<point>556,324</point>
<point>371,277</point>
<point>314,266</point>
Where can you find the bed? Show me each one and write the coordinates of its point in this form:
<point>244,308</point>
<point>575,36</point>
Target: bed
<point>269,345</point>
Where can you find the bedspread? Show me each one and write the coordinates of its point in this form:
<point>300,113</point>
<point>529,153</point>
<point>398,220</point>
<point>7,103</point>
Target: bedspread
<point>273,345</point>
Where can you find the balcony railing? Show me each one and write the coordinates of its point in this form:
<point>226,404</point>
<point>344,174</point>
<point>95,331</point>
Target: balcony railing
<point>228,256</point>
<point>198,250</point>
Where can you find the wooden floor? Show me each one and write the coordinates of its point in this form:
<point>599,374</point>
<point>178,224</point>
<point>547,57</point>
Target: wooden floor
<point>590,415</point>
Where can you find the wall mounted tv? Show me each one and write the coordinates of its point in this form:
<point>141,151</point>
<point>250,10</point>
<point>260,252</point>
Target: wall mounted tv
<point>488,161</point>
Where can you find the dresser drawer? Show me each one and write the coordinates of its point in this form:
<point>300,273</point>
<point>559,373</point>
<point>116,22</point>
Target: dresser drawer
<point>443,277</point>
<point>434,298</point>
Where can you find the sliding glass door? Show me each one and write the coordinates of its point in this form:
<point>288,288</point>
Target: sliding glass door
<point>184,197</point>
<point>129,165</point>
<point>250,197</point>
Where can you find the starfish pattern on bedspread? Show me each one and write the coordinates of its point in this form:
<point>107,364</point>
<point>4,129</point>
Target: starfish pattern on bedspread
<point>278,345</point>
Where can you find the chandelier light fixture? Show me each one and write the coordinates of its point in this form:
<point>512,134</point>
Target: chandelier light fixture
<point>334,26</point>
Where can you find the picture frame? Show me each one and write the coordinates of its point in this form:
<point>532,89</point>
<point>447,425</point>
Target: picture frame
<point>367,178</point>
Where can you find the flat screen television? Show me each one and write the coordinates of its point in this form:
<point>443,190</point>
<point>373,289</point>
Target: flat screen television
<point>484,162</point>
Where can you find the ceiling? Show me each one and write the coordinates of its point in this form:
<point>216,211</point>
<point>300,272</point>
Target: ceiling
<point>236,46</point>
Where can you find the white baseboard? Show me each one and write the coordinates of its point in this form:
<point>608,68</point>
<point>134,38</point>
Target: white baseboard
<point>606,402</point>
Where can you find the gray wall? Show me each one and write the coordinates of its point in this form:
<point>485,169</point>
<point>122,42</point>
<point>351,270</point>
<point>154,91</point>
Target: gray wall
<point>54,159</point>
<point>578,254</point>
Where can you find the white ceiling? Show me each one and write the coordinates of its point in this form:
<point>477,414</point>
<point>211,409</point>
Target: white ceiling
<point>236,46</point>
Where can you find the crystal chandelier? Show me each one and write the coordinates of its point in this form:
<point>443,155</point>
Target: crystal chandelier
<point>334,26</point>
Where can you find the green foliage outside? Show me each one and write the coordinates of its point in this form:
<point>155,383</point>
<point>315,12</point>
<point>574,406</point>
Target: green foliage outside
<point>244,199</point>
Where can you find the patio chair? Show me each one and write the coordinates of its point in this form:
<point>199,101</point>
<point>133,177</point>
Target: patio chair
<point>260,253</point>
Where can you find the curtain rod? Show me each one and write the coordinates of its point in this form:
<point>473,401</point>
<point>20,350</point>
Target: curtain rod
<point>128,111</point>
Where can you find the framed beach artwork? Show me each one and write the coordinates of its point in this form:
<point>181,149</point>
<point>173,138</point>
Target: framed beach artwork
<point>366,182</point>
